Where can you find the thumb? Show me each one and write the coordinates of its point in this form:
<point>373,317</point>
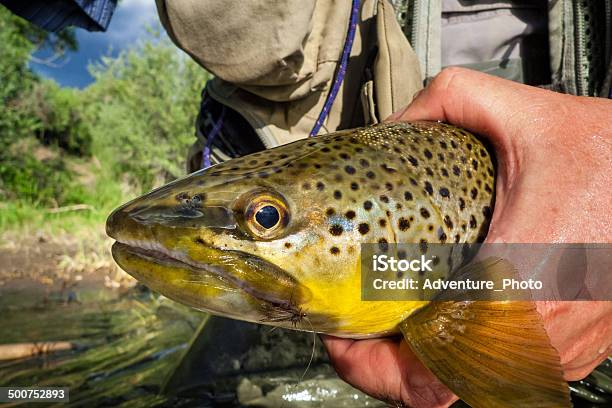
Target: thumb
<point>489,106</point>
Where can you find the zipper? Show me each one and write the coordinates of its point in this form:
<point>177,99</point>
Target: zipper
<point>608,33</point>
<point>582,64</point>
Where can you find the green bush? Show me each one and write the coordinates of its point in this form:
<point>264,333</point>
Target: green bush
<point>126,133</point>
<point>43,183</point>
<point>59,118</point>
<point>142,108</point>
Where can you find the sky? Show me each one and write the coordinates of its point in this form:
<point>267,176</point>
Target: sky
<point>128,25</point>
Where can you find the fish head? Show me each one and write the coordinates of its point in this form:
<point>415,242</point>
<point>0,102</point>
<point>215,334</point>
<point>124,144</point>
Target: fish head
<point>275,237</point>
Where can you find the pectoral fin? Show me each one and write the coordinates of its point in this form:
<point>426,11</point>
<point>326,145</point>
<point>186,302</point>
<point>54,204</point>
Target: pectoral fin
<point>489,353</point>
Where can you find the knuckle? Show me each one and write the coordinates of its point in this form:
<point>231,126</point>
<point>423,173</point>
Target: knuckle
<point>447,78</point>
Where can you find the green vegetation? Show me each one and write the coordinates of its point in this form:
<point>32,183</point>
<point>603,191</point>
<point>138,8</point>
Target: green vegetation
<point>94,148</point>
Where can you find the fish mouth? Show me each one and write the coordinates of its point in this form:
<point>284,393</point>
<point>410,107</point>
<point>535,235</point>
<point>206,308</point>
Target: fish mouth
<point>217,286</point>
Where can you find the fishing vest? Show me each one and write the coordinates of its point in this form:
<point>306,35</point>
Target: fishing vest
<point>289,69</point>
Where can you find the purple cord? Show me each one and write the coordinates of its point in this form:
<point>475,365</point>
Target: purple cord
<point>348,45</point>
<point>210,138</point>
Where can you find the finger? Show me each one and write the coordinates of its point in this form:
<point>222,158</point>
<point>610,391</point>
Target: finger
<point>387,369</point>
<point>492,107</point>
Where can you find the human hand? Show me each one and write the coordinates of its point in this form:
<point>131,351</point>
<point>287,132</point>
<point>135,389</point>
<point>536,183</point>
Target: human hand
<point>554,155</point>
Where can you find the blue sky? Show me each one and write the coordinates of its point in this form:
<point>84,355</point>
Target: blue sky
<point>129,24</point>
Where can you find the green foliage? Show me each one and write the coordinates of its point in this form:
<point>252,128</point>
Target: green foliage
<point>126,133</point>
<point>59,116</point>
<point>45,183</point>
<point>16,79</point>
<point>142,108</point>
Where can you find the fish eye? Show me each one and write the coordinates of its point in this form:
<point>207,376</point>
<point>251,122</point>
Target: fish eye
<point>267,216</point>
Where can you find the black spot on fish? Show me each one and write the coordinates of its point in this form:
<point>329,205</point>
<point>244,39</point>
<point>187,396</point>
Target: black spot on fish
<point>428,188</point>
<point>423,246</point>
<point>429,171</point>
<point>330,212</point>
<point>473,223</point>
<point>388,186</point>
<point>320,186</point>
<point>350,214</point>
<point>306,186</point>
<point>408,196</point>
<point>363,228</point>
<point>427,153</point>
<point>487,188</point>
<point>354,186</point>
<point>413,161</point>
<point>287,245</point>
<point>349,169</point>
<point>383,245</point>
<point>442,235</point>
<point>384,199</point>
<point>371,175</point>
<point>367,205</point>
<point>461,203</point>
<point>475,164</point>
<point>441,157</point>
<point>326,150</point>
<point>337,194</point>
<point>413,182</point>
<point>448,222</point>
<point>486,211</point>
<point>444,192</point>
<point>334,250</point>
<point>474,193</point>
<point>456,170</point>
<point>469,146</point>
<point>424,213</point>
<point>382,222</point>
<point>403,224</point>
<point>364,163</point>
<point>443,145</point>
<point>387,168</point>
<point>444,172</point>
<point>344,156</point>
<point>336,229</point>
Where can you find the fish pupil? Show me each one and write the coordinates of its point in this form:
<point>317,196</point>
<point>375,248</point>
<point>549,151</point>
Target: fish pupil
<point>267,216</point>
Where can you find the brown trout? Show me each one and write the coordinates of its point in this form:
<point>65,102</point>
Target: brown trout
<point>275,237</point>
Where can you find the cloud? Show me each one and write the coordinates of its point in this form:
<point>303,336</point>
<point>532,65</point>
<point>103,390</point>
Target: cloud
<point>131,19</point>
